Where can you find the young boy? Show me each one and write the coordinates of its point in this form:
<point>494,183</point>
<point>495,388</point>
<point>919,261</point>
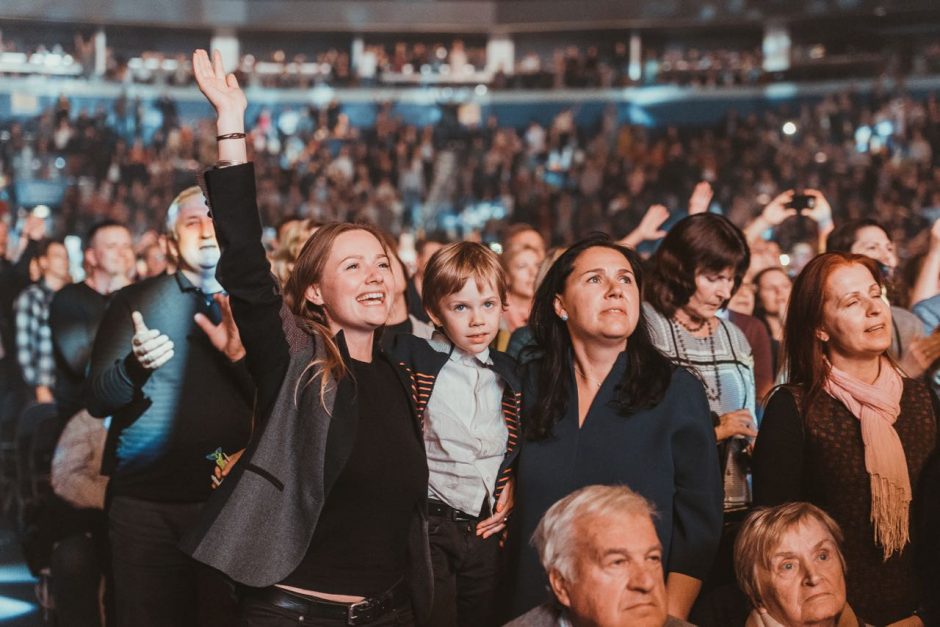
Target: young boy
<point>468,399</point>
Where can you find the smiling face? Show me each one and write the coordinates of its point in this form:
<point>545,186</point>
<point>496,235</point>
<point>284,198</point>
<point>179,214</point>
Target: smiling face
<point>617,579</point>
<point>601,299</point>
<point>806,583</point>
<point>712,290</point>
<point>193,240</point>
<point>470,317</point>
<point>856,321</point>
<point>111,251</point>
<point>355,287</point>
<point>873,242</point>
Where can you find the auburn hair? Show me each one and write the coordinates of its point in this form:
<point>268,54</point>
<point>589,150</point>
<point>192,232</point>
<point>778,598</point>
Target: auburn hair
<point>308,270</point>
<point>804,354</point>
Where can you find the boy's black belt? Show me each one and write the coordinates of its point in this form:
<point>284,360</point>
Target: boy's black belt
<point>437,508</point>
<point>358,613</point>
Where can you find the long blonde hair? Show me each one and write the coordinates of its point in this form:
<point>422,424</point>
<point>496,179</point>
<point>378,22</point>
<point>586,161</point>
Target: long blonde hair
<point>307,271</point>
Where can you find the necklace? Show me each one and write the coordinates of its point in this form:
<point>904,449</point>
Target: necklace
<point>595,382</point>
<point>714,395</point>
<point>689,327</point>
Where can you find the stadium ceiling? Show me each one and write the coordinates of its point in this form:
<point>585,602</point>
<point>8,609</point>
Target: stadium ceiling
<point>472,16</point>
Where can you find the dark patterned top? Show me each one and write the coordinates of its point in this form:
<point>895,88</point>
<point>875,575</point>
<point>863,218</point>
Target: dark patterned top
<point>821,459</point>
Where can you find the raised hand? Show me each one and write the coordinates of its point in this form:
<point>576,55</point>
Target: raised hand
<point>151,348</point>
<point>224,336</point>
<point>648,229</point>
<point>777,211</point>
<point>701,198</point>
<point>822,211</point>
<point>219,88</point>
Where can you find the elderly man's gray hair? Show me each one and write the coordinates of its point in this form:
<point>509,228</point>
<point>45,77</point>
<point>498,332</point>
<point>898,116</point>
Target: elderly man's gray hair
<point>556,537</point>
<point>173,212</point>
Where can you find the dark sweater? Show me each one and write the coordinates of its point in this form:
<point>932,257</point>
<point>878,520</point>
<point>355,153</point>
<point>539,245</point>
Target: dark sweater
<point>666,453</point>
<point>165,421</point>
<point>74,316</point>
<point>820,458</point>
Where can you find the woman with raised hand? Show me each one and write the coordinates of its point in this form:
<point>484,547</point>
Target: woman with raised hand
<point>603,406</point>
<point>323,519</point>
<point>849,432</point>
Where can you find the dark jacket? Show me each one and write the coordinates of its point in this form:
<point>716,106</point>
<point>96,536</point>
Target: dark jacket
<point>258,525</point>
<point>423,363</point>
<point>165,421</point>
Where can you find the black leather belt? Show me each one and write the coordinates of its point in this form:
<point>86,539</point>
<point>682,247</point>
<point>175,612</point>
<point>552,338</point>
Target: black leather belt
<point>358,613</point>
<point>436,508</point>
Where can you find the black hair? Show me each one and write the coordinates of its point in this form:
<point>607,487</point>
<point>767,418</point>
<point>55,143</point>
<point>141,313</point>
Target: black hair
<point>648,371</point>
<point>99,226</point>
<point>842,238</point>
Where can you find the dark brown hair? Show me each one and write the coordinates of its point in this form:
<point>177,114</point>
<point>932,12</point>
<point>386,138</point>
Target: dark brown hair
<point>804,357</point>
<point>705,241</point>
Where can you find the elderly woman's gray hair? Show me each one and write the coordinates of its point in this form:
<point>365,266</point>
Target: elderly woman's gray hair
<point>760,536</point>
<point>556,536</point>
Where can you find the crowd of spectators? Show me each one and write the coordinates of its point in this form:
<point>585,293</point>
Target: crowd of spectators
<point>871,156</point>
<point>600,65</point>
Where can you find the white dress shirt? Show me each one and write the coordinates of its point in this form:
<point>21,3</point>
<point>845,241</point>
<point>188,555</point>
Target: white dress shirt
<point>465,432</point>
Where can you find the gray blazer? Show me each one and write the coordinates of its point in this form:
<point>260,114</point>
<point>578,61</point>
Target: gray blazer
<point>257,526</point>
<point>549,615</point>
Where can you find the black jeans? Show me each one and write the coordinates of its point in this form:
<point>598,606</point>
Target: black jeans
<point>256,612</point>
<point>156,584</point>
<point>77,575</point>
<point>466,572</point>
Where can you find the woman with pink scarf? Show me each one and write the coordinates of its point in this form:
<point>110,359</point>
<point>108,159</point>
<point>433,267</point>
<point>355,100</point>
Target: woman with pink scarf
<point>850,433</point>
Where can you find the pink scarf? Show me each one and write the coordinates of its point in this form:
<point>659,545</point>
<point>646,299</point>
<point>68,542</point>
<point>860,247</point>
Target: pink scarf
<point>877,406</point>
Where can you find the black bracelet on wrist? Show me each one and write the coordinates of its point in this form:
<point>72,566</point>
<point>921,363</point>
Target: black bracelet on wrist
<point>219,138</point>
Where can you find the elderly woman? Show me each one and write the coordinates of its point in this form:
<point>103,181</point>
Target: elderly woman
<point>849,433</point>
<point>693,274</point>
<point>311,522</point>
<point>788,562</point>
<point>603,406</point>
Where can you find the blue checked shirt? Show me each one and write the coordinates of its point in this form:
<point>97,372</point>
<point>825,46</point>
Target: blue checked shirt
<point>33,335</point>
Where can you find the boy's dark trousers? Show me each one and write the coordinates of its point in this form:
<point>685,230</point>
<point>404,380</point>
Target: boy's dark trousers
<point>466,569</point>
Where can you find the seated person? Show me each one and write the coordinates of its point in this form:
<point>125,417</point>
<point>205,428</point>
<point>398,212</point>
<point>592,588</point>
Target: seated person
<point>604,562</point>
<point>788,561</point>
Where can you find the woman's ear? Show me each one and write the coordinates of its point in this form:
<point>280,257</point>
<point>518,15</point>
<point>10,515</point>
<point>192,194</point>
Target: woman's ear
<point>313,295</point>
<point>559,306</point>
<point>822,336</point>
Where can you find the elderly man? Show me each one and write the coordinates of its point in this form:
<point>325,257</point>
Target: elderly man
<point>176,394</point>
<point>604,562</point>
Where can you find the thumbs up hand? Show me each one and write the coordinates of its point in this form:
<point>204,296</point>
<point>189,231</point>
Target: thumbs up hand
<point>151,348</point>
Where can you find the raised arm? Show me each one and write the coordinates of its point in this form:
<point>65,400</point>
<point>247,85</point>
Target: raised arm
<point>243,270</point>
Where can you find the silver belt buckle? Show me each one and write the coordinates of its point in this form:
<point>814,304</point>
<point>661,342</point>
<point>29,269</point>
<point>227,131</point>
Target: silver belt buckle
<point>360,611</point>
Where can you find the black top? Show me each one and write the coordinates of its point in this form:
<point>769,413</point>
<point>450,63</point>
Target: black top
<point>166,421</point>
<point>391,330</point>
<point>818,456</point>
<point>666,453</point>
<point>359,546</point>
<point>13,279</point>
<point>74,316</point>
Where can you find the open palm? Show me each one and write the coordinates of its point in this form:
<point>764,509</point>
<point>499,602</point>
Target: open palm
<point>219,88</point>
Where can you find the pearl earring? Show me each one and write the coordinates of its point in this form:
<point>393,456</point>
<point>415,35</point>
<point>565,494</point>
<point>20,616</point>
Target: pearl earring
<point>564,317</point>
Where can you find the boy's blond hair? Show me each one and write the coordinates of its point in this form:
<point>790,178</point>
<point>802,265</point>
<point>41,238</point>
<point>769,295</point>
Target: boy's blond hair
<point>449,269</point>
